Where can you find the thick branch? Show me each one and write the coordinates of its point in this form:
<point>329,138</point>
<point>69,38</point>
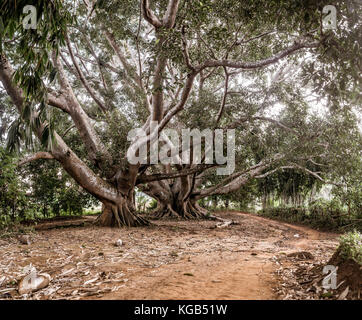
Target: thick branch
<point>149,15</point>
<point>81,120</point>
<point>257,64</point>
<point>61,151</point>
<point>36,156</point>
<point>83,79</point>
<point>57,102</point>
<point>157,95</point>
<point>179,106</point>
<point>238,179</point>
<point>170,175</point>
<point>170,15</point>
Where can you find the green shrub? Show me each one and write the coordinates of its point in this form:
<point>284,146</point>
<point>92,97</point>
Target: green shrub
<point>350,246</point>
<point>13,199</point>
<point>326,215</point>
<point>37,190</point>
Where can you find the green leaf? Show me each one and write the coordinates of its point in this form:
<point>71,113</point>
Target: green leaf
<point>45,136</point>
<point>52,75</point>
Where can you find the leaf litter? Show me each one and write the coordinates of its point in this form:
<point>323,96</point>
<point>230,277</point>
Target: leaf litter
<point>85,262</point>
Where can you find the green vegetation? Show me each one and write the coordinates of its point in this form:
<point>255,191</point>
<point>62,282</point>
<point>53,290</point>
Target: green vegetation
<point>322,215</point>
<point>350,246</point>
<point>37,190</point>
<point>270,70</point>
<point>13,202</point>
<point>293,197</point>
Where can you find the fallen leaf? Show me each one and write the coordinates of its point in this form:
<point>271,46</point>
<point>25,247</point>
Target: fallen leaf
<point>344,294</point>
<point>90,281</point>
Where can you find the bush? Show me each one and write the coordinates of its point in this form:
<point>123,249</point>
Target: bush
<point>38,189</point>
<point>53,191</point>
<point>13,199</point>
<point>350,246</point>
<point>327,216</point>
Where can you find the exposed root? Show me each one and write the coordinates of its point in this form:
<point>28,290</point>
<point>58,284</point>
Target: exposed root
<point>120,215</point>
<point>166,212</point>
<point>223,222</point>
<point>190,211</point>
<point>187,210</point>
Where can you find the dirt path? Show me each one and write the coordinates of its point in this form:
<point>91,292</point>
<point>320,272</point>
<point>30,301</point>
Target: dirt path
<point>222,276</point>
<point>172,260</point>
<point>247,274</point>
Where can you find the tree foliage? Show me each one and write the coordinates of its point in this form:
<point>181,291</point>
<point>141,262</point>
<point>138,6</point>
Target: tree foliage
<point>92,71</point>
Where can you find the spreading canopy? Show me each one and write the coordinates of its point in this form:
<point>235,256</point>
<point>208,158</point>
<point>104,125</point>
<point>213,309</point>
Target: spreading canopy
<point>93,70</point>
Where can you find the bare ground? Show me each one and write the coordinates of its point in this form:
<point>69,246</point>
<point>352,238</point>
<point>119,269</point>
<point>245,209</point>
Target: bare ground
<point>255,259</point>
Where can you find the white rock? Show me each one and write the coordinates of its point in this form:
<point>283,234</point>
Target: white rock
<point>33,282</point>
<point>119,243</point>
<point>296,235</point>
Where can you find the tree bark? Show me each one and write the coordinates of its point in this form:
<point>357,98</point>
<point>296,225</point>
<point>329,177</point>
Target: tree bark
<point>120,214</point>
<point>180,209</point>
<point>118,208</point>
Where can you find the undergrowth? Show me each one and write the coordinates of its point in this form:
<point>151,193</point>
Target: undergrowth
<point>350,246</point>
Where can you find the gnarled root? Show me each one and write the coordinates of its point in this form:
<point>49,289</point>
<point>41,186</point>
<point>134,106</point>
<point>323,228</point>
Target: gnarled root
<point>223,223</point>
<point>184,210</point>
<point>120,215</point>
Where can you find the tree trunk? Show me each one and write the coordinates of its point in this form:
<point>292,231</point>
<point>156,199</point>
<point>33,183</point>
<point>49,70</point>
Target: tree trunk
<point>187,209</point>
<point>175,200</point>
<point>120,214</point>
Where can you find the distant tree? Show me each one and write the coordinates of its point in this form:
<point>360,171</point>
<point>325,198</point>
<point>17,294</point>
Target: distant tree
<point>52,191</point>
<point>13,202</point>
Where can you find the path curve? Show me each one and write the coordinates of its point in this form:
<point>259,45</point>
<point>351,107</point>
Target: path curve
<point>248,274</point>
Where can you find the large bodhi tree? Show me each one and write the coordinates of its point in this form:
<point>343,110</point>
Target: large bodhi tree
<point>96,69</point>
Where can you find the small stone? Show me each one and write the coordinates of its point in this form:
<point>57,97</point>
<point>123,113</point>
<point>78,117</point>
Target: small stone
<point>118,243</point>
